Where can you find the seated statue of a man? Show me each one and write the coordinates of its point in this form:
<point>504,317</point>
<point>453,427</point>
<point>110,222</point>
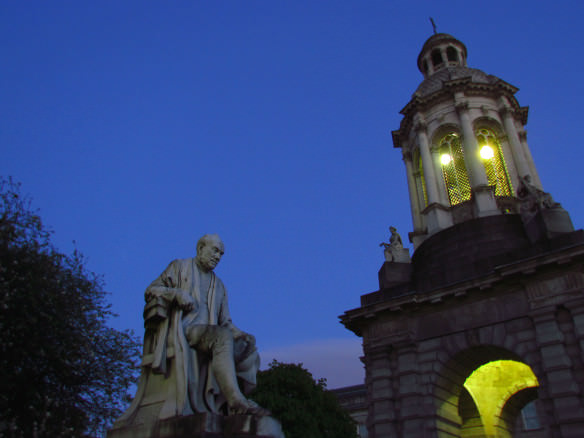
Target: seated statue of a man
<point>195,358</point>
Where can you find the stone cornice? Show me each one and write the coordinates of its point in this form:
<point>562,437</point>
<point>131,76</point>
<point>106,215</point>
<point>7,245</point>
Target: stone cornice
<point>523,112</point>
<point>396,137</point>
<point>461,106</point>
<point>470,89</point>
<point>420,127</point>
<point>562,258</point>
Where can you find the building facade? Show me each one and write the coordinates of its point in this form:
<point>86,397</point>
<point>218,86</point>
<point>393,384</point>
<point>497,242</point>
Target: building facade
<point>481,333</point>
<point>354,400</point>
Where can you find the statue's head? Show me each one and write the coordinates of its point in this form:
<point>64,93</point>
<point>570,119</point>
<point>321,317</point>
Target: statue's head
<point>392,230</point>
<point>210,249</point>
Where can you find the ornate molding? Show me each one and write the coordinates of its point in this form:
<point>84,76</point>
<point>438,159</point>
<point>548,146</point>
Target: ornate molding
<point>434,148</point>
<point>461,106</point>
<point>506,111</point>
<point>421,127</point>
<point>556,290</point>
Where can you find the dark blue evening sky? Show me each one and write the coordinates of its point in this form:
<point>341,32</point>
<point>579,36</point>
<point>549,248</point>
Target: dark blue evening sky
<point>137,126</point>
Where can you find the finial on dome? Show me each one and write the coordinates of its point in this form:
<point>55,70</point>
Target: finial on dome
<point>433,25</point>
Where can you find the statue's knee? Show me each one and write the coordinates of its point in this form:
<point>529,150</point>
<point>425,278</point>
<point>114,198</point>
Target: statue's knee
<point>222,340</point>
<point>224,335</point>
<point>194,334</point>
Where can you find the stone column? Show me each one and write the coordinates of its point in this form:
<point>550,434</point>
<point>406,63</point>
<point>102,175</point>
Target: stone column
<point>412,416</point>
<point>413,191</point>
<point>516,146</point>
<point>527,153</point>
<point>383,410</point>
<point>484,197</point>
<point>437,215</point>
<point>561,395</point>
<point>427,163</point>
<point>442,190</point>
<point>577,310</point>
<point>444,56</point>
<point>476,171</point>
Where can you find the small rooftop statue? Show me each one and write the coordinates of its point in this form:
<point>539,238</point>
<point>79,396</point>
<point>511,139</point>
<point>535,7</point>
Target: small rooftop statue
<point>532,198</point>
<point>394,251</point>
<point>542,216</point>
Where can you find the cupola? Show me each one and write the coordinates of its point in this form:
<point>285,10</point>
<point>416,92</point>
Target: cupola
<point>441,50</point>
<point>463,142</point>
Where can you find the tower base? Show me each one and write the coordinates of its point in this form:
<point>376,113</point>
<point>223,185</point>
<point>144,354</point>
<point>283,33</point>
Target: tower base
<point>204,425</point>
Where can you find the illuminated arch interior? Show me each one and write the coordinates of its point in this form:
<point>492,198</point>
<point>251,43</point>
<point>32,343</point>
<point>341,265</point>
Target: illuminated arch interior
<point>494,162</point>
<point>491,386</point>
<point>454,169</point>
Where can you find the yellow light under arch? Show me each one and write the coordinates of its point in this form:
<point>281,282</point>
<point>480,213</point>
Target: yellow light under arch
<point>493,383</point>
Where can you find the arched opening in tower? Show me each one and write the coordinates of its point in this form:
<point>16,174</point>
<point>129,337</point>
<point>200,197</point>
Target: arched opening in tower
<point>498,392</point>
<point>486,391</point>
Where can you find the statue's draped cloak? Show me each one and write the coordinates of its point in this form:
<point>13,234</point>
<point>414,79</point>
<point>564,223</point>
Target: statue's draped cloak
<point>195,388</point>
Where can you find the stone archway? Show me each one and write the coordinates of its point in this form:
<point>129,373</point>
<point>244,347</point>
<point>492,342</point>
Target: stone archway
<point>480,392</point>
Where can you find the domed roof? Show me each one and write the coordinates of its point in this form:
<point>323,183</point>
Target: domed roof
<point>435,81</point>
<point>439,39</point>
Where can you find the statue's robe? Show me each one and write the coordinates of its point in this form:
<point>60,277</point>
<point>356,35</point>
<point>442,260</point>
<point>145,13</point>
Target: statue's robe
<point>176,379</point>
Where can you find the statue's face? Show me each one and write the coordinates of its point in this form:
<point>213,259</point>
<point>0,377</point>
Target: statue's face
<point>210,254</point>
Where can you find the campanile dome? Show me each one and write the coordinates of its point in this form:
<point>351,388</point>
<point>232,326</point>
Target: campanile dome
<point>463,142</point>
<point>441,50</point>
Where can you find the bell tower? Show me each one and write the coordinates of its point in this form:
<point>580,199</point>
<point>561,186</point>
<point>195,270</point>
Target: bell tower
<point>462,140</point>
<point>481,333</point>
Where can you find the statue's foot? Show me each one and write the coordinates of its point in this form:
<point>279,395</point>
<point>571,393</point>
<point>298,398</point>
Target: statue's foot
<point>248,407</point>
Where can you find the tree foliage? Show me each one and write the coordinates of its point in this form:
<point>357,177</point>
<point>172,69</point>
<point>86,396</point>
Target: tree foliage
<point>304,406</point>
<point>63,371</point>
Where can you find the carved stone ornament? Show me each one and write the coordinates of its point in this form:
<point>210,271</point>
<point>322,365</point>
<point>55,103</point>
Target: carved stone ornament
<point>533,199</point>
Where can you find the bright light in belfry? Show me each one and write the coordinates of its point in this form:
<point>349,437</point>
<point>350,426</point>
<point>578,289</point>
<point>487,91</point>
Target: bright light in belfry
<point>487,152</point>
<point>445,159</point>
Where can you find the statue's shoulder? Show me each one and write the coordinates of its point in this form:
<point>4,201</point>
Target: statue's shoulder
<point>181,263</point>
<point>219,286</point>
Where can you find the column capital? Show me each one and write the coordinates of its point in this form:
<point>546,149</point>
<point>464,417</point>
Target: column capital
<point>543,314</point>
<point>522,135</point>
<point>461,106</point>
<point>435,148</point>
<point>407,156</point>
<point>506,111</point>
<point>378,351</point>
<point>420,126</point>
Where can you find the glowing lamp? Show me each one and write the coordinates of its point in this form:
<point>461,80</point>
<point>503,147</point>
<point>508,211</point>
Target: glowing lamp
<point>445,159</point>
<point>487,152</point>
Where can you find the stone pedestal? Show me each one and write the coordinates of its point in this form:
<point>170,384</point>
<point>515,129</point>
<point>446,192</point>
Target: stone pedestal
<point>547,224</point>
<point>203,426</point>
<point>392,274</point>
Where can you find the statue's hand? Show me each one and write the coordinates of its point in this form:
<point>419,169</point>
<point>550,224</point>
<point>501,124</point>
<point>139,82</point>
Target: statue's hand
<point>185,301</point>
<point>250,339</point>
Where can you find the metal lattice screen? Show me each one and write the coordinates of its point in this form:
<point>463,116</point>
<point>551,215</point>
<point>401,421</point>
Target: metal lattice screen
<point>494,162</point>
<point>454,169</point>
